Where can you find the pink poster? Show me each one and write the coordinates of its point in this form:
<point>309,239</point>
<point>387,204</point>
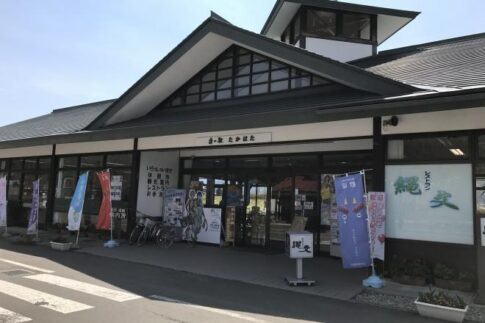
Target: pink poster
<point>376,210</point>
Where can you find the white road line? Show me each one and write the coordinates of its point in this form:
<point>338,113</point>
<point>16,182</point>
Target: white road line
<point>7,316</point>
<point>42,299</point>
<point>27,266</point>
<point>111,294</point>
<point>210,309</point>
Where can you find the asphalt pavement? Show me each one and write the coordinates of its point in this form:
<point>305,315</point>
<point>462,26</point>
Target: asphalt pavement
<point>43,285</point>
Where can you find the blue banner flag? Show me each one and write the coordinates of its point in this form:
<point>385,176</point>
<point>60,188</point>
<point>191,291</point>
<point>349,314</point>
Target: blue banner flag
<point>34,211</point>
<point>77,203</point>
<point>352,220</point>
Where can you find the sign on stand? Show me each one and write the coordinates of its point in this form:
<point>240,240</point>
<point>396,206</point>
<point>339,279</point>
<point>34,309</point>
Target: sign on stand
<point>299,245</point>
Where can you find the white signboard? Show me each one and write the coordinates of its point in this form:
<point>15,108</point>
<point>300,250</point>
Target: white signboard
<point>299,244</point>
<point>482,230</point>
<point>236,139</point>
<point>158,171</point>
<point>430,202</point>
<point>212,233</point>
<point>116,187</point>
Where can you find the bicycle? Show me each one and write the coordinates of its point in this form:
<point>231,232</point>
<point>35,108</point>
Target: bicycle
<point>149,232</point>
<point>165,236</point>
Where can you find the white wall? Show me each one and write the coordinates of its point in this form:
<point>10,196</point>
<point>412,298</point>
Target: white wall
<point>338,50</point>
<point>452,120</point>
<point>338,145</point>
<point>310,131</point>
<point>95,146</point>
<point>153,163</point>
<point>45,150</point>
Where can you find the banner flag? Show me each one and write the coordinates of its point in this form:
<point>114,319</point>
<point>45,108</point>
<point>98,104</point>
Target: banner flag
<point>104,216</point>
<point>352,220</point>
<point>33,226</point>
<point>376,209</point>
<point>3,202</point>
<point>75,213</point>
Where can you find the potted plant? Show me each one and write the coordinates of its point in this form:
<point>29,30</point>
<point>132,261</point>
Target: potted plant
<point>61,244</point>
<point>449,278</point>
<point>441,305</point>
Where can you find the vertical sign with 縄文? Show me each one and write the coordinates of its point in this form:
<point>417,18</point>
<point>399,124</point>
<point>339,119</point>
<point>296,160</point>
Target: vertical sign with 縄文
<point>376,209</point>
<point>3,202</point>
<point>352,220</point>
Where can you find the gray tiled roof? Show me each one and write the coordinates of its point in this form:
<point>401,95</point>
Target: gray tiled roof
<point>453,63</point>
<point>61,121</point>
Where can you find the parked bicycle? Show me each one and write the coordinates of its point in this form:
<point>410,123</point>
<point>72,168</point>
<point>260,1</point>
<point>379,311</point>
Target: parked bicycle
<point>145,230</point>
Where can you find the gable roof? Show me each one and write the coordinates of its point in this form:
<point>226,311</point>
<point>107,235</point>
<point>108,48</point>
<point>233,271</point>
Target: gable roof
<point>454,63</point>
<point>58,122</point>
<point>209,40</point>
<point>389,21</point>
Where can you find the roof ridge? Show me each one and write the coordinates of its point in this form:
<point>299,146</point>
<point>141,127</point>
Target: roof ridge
<point>81,105</point>
<point>432,43</point>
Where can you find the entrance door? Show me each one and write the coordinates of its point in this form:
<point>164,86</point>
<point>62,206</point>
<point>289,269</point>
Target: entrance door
<point>247,196</point>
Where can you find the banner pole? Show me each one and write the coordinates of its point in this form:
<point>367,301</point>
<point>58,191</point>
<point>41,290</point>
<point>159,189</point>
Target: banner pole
<point>374,280</point>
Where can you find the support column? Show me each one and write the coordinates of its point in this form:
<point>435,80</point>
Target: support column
<point>481,260</point>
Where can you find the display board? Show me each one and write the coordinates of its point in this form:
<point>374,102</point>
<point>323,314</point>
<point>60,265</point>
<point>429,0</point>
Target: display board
<point>158,171</point>
<point>430,202</point>
<point>173,206</point>
<point>211,233</point>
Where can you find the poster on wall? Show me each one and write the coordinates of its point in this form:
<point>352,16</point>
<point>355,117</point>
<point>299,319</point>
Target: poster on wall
<point>376,211</point>
<point>158,171</point>
<point>352,220</point>
<point>116,187</point>
<point>3,202</point>
<point>430,203</point>
<point>212,232</point>
<point>327,191</point>
<point>173,206</point>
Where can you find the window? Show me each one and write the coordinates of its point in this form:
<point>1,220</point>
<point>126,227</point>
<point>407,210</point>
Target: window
<point>481,147</point>
<point>295,161</point>
<point>119,160</point>
<point>14,186</point>
<point>249,162</point>
<point>95,161</point>
<point>321,23</point>
<point>209,163</point>
<point>239,73</point>
<point>429,148</point>
<point>356,26</point>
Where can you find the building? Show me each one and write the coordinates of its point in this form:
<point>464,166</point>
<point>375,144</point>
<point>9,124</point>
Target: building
<point>262,118</point>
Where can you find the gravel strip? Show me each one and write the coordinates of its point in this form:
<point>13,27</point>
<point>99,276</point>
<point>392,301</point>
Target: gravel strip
<point>476,313</point>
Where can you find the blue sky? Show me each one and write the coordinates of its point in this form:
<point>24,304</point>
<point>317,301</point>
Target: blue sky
<point>58,53</point>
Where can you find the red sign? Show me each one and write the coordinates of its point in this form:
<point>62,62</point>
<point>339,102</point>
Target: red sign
<point>104,217</point>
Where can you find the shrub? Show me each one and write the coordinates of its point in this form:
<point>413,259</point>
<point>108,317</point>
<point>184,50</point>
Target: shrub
<point>442,298</point>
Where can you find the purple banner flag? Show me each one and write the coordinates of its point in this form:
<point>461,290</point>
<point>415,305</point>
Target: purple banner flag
<point>352,220</point>
<point>34,211</point>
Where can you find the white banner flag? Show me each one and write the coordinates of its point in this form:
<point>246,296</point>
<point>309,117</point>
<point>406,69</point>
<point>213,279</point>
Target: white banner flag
<point>376,210</point>
<point>3,202</point>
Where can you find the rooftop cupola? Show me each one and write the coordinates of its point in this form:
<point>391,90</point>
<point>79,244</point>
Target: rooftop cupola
<point>338,30</point>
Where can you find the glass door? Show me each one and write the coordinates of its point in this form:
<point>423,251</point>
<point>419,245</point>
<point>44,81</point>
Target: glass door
<point>256,213</point>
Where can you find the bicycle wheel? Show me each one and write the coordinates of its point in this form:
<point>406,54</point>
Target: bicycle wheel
<point>143,237</point>
<point>134,235</point>
<point>165,238</point>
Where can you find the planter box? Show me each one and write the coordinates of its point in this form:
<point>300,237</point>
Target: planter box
<point>61,246</point>
<point>454,285</point>
<point>441,312</point>
<point>410,280</point>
